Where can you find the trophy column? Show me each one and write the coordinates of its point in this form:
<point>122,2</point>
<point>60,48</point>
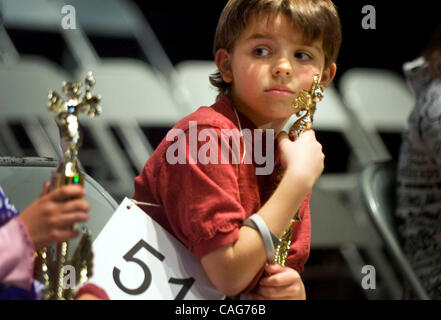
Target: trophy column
<point>51,261</point>
<point>305,102</point>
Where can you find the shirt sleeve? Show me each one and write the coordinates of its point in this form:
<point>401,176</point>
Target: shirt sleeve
<point>301,239</point>
<point>201,197</point>
<point>16,255</point>
<point>92,289</point>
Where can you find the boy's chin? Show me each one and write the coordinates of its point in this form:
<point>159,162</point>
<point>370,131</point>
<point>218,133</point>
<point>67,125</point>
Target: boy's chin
<point>280,116</point>
<point>283,111</point>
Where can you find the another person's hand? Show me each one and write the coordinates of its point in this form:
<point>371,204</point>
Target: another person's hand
<point>50,218</point>
<point>303,158</point>
<point>284,283</point>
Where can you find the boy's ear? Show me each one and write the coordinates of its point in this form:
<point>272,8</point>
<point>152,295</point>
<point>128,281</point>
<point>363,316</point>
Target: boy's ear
<point>328,74</point>
<point>223,62</point>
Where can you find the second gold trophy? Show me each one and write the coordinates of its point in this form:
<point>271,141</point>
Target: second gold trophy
<point>53,262</point>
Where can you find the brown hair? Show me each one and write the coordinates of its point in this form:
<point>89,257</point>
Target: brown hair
<point>432,54</point>
<point>318,19</point>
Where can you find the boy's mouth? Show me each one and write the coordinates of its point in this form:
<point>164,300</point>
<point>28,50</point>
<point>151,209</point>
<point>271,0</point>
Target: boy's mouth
<point>280,91</point>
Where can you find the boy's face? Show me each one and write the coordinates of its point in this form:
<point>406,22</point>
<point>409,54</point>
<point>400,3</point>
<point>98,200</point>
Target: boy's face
<point>269,66</point>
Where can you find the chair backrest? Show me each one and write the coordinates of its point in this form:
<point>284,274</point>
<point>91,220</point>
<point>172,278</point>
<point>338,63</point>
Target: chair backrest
<point>379,97</point>
<point>193,75</point>
<point>37,14</point>
<point>108,18</point>
<point>132,90</point>
<point>122,18</point>
<point>382,102</point>
<point>22,180</point>
<point>134,97</point>
<point>23,100</point>
<point>378,195</point>
<point>25,86</point>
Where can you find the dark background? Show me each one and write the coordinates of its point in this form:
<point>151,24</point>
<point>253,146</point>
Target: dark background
<point>186,30</point>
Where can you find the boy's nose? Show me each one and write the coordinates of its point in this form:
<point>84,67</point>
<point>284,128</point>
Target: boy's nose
<point>282,69</point>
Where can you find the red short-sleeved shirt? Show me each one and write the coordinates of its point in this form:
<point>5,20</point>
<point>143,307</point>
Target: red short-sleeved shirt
<point>204,205</point>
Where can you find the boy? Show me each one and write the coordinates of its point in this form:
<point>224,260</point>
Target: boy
<point>266,52</point>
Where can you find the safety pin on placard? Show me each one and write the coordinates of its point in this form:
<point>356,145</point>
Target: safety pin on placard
<point>143,204</point>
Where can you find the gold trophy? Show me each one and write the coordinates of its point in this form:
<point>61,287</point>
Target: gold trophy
<point>305,103</point>
<point>51,261</point>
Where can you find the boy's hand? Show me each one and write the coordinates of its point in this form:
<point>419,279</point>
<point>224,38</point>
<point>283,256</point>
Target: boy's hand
<point>50,218</point>
<point>284,283</point>
<point>302,158</point>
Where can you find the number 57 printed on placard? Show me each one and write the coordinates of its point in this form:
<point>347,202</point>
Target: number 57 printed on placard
<point>135,258</point>
<point>129,257</point>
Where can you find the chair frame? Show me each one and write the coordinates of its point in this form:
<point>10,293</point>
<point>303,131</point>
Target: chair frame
<point>52,163</point>
<point>382,217</point>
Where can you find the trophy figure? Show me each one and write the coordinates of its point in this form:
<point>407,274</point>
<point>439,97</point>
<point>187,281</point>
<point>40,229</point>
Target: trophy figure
<point>54,260</point>
<point>305,103</point>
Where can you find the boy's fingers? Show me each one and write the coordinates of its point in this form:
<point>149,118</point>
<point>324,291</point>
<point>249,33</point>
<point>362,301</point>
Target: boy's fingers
<point>67,192</point>
<point>308,132</point>
<point>273,268</point>
<point>282,138</point>
<point>282,135</point>
<point>281,276</point>
<point>293,135</point>
<point>277,292</point>
<point>253,296</point>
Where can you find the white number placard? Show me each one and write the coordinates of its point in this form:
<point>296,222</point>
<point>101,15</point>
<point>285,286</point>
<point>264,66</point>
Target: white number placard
<point>135,258</point>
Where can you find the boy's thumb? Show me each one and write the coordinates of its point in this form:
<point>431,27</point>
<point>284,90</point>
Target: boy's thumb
<point>281,136</point>
<point>273,268</point>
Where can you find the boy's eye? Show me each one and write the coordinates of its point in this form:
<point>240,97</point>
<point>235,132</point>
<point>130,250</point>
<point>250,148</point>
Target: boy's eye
<point>303,56</point>
<point>261,52</point>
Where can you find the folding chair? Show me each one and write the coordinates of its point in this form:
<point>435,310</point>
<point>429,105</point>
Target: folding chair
<point>381,102</point>
<point>123,19</point>
<point>134,97</point>
<point>23,100</point>
<point>22,180</point>
<point>194,78</point>
<point>378,191</point>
